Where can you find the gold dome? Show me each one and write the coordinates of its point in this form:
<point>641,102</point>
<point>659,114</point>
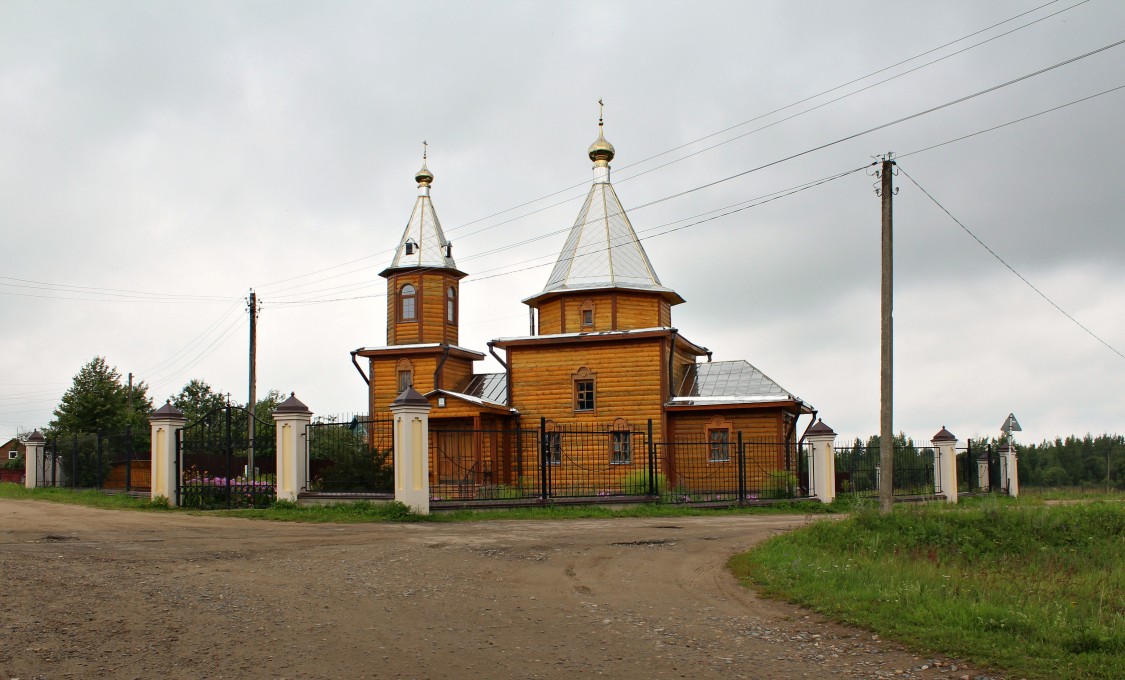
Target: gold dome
<point>424,176</point>
<point>601,150</point>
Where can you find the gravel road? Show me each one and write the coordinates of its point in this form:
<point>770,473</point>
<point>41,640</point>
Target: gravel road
<point>89,593</point>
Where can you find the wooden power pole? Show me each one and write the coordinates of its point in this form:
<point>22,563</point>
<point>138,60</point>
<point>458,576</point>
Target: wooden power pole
<point>886,339</point>
<point>253,305</point>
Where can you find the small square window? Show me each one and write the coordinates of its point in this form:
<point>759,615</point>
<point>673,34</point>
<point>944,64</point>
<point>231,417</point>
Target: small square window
<point>622,453</point>
<point>12,455</point>
<point>583,395</point>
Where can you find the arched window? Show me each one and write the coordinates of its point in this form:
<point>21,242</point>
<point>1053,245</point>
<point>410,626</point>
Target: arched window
<point>585,382</point>
<point>406,305</point>
<point>451,305</point>
<point>621,443</point>
<point>719,439</point>
<point>404,375</point>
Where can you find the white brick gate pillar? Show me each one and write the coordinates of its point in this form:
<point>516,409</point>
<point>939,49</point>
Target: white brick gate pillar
<point>822,472</point>
<point>165,422</point>
<point>945,464</point>
<point>291,418</point>
<point>33,459</point>
<point>412,450</point>
<point>1009,470</point>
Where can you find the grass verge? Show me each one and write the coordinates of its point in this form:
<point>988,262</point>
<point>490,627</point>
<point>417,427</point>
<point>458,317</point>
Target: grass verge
<point>88,497</point>
<point>358,512</point>
<point>1037,590</point>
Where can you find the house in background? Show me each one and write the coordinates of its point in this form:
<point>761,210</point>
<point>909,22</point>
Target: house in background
<point>602,365</point>
<point>11,453</point>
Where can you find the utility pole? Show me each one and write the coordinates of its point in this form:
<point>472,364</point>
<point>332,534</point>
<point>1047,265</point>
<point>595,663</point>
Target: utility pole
<point>253,307</point>
<point>886,339</point>
<point>130,395</point>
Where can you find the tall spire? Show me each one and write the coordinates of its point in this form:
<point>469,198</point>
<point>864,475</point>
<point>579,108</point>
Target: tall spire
<point>423,243</point>
<point>602,250</point>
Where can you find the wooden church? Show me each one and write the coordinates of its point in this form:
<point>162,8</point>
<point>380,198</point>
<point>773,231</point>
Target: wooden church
<point>604,361</point>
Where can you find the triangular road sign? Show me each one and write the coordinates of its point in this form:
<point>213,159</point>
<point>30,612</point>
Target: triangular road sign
<point>1011,424</point>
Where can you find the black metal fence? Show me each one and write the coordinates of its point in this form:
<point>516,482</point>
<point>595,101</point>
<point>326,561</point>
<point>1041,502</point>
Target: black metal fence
<point>715,470</point>
<point>981,469</point>
<point>351,457</point>
<point>97,460</point>
<point>509,463</point>
<point>858,470</point>
<point>213,457</point>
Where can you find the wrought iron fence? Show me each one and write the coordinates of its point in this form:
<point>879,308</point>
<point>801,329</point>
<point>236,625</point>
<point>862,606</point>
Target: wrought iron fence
<point>858,470</point>
<point>355,456</point>
<point>96,460</point>
<point>703,469</point>
<point>608,462</point>
<point>213,457</point>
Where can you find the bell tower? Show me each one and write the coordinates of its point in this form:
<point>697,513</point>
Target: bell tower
<point>423,282</point>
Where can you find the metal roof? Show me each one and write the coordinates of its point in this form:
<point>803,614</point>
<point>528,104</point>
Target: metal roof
<point>602,250</point>
<point>729,382</point>
<point>423,231</point>
<point>488,387</point>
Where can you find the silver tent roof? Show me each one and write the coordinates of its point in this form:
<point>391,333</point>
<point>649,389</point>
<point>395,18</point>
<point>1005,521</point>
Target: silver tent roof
<point>602,250</point>
<point>423,235</point>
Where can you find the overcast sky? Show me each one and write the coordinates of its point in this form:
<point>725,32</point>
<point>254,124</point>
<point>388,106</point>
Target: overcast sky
<point>193,150</point>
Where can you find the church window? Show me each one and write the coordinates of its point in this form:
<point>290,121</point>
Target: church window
<point>720,445</point>
<point>622,453</point>
<point>718,440</point>
<point>584,389</point>
<point>587,314</point>
<point>407,303</point>
<point>451,305</point>
<point>554,448</point>
<point>404,373</point>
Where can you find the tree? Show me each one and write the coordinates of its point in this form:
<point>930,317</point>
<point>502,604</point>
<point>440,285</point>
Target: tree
<point>197,399</point>
<point>98,400</point>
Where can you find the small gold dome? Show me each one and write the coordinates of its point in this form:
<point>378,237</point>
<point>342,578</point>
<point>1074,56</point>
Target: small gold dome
<point>601,150</point>
<point>424,176</point>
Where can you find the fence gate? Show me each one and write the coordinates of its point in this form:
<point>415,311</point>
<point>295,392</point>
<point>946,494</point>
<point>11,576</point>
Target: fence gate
<point>213,457</point>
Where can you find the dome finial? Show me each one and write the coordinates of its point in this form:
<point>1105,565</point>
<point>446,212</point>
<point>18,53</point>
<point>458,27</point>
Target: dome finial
<point>424,177</point>
<point>601,151</point>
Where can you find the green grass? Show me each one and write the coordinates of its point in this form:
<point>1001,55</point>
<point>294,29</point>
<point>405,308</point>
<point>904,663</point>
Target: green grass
<point>1036,590</point>
<point>358,512</point>
<point>89,498</point>
<point>1071,493</point>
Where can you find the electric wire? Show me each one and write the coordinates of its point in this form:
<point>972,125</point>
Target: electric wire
<point>727,129</point>
<point>846,138</point>
<point>1011,122</point>
<point>1008,266</point>
<point>133,295</point>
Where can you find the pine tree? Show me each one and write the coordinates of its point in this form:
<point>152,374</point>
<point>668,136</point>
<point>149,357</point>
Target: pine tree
<point>98,400</point>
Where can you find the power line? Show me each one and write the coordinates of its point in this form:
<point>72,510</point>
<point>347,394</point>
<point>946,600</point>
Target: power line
<point>1008,266</point>
<point>826,145</point>
<point>1012,122</point>
<point>136,295</point>
<point>590,250</point>
<point>845,96</point>
<point>727,129</point>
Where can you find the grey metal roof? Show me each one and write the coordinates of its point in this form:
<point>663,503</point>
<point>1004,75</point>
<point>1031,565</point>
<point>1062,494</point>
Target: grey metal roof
<point>602,250</point>
<point>424,231</point>
<point>488,387</point>
<point>729,382</point>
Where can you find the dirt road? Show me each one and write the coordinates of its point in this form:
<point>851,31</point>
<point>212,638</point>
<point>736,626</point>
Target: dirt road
<point>91,593</point>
